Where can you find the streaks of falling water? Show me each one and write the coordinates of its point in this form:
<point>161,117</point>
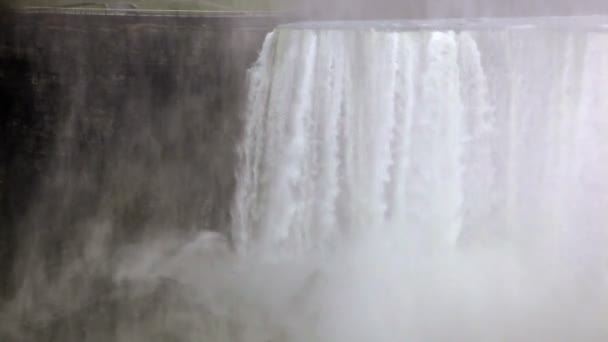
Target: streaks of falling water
<point>363,130</point>
<point>468,169</point>
<point>445,138</point>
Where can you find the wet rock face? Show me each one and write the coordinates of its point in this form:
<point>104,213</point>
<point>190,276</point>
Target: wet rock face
<point>129,121</point>
<point>20,134</point>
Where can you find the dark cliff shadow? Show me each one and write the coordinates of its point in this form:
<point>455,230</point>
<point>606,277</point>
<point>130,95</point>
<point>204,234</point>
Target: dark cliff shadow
<point>19,143</point>
<point>115,130</point>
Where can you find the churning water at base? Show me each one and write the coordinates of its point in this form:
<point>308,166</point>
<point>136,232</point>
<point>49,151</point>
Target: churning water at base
<point>402,185</point>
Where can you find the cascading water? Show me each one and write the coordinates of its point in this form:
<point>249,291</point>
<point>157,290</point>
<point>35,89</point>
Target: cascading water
<point>447,137</point>
<point>469,168</point>
<point>397,182</point>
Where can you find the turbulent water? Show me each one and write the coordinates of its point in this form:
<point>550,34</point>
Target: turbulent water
<point>399,184</point>
<point>464,173</point>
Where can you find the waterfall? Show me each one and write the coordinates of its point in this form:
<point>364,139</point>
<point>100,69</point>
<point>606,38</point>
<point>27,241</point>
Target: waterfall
<point>448,138</point>
<point>458,178</point>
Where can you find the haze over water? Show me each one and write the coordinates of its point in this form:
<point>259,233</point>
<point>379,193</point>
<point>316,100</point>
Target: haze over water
<point>397,181</point>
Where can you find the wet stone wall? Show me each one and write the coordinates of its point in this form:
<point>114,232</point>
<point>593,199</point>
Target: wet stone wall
<point>126,122</point>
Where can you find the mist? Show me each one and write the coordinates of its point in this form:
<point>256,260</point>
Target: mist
<point>263,180</point>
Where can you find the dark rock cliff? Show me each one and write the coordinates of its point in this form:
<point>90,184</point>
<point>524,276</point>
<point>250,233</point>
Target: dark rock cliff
<point>125,121</point>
